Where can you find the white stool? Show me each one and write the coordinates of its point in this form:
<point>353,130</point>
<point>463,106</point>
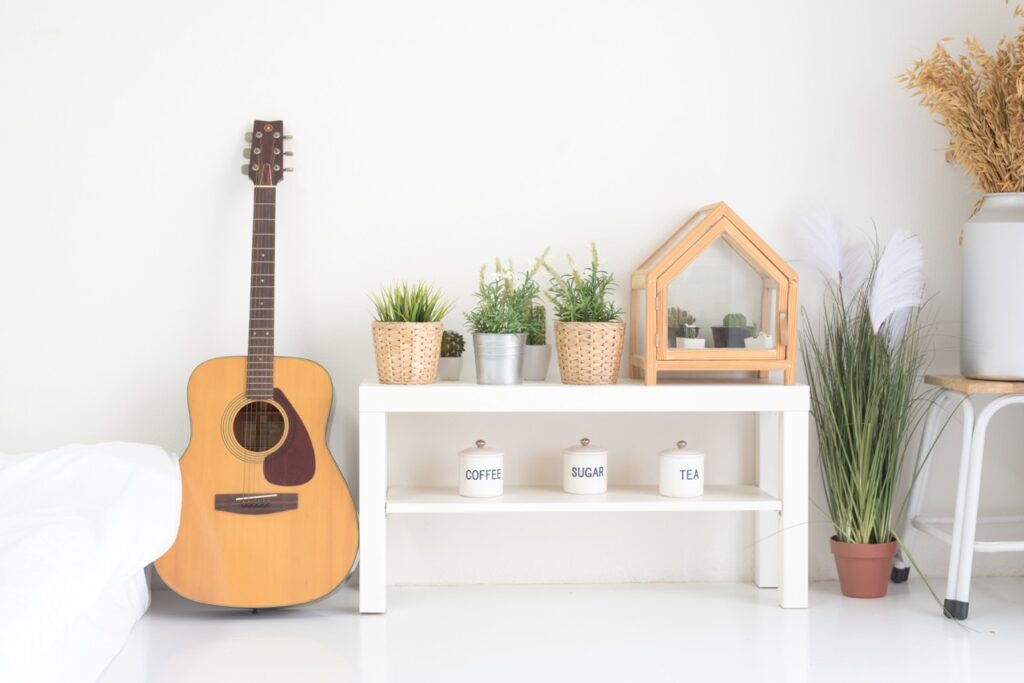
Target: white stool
<point>956,389</point>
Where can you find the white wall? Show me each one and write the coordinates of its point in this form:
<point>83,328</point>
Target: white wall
<point>429,138</point>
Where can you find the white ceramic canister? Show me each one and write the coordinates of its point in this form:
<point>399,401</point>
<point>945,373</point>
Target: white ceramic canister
<point>481,473</point>
<point>585,469</point>
<point>682,472</point>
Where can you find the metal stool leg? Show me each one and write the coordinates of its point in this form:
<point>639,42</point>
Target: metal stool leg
<point>958,606</point>
<point>901,567</point>
<point>958,515</point>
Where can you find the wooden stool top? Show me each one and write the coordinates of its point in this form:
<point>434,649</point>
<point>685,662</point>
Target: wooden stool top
<point>966,385</point>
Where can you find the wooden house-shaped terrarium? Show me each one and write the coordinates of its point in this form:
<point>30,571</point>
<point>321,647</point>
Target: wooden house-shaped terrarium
<point>713,297</point>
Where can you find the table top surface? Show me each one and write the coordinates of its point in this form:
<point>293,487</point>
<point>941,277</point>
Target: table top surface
<point>966,385</point>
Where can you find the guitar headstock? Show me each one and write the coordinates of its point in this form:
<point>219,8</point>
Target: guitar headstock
<point>266,152</point>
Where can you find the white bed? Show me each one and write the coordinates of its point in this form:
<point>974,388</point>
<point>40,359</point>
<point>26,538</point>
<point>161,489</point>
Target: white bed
<point>78,525</point>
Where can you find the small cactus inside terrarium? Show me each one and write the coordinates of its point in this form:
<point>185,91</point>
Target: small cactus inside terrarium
<point>678,317</point>
<point>537,334</point>
<point>734,320</point>
<point>452,344</point>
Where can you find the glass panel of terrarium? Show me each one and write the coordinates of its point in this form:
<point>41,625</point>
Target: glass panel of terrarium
<point>720,300</point>
<point>638,302</point>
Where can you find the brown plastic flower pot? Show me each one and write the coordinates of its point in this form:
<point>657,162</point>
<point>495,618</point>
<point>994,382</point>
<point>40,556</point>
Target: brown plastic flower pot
<point>863,567</point>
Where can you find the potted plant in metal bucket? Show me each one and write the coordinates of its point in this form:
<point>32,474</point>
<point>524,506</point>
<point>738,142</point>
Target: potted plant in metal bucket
<point>407,332</point>
<point>537,353</point>
<point>588,332</point>
<point>453,345</point>
<point>501,322</point>
<point>863,368</point>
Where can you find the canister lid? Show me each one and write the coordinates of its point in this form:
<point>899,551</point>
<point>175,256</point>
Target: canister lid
<point>585,447</point>
<point>681,450</point>
<point>480,449</point>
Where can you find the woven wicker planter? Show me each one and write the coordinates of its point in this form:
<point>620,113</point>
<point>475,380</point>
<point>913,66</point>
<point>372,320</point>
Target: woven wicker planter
<point>589,353</point>
<point>407,353</point>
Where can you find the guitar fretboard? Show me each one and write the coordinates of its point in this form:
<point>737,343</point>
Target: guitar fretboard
<point>259,381</point>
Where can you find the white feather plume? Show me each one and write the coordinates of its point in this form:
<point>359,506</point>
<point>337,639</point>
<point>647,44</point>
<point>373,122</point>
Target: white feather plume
<point>846,267</point>
<point>898,283</point>
<point>821,245</point>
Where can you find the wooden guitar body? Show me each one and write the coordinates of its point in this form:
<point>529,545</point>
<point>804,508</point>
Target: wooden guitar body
<point>267,519</point>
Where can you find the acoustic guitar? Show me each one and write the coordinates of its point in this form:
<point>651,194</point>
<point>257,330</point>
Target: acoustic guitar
<point>267,519</point>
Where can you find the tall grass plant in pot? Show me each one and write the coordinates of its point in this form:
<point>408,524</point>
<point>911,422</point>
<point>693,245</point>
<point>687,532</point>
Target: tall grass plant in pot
<point>978,97</point>
<point>863,367</point>
<point>588,331</point>
<point>407,332</point>
<point>501,322</point>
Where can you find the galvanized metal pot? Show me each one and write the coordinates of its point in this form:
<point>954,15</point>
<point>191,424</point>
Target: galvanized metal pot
<point>499,358</point>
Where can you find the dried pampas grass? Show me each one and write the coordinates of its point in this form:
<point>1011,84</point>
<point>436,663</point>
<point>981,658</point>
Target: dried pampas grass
<point>979,99</point>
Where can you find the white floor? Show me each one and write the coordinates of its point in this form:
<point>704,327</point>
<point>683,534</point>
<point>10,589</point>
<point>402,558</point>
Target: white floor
<point>622,633</point>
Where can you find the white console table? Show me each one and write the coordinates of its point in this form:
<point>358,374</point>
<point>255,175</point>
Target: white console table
<point>779,498</point>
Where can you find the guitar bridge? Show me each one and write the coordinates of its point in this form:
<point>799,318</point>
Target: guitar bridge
<point>255,503</point>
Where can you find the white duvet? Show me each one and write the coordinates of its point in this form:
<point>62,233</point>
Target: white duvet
<point>77,527</point>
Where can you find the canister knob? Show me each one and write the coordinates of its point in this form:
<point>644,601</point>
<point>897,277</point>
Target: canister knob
<point>680,444</point>
<point>480,443</point>
<point>584,441</point>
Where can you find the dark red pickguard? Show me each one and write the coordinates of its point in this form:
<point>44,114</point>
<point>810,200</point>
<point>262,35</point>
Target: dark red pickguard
<point>294,462</point>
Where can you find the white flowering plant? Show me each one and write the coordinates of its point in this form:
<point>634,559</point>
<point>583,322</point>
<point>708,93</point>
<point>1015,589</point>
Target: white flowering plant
<point>583,295</point>
<point>504,301</point>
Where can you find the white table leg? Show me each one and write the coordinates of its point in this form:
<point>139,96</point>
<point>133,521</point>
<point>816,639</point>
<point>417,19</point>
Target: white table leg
<point>373,485</point>
<point>793,565</point>
<point>766,524</point>
<point>919,482</point>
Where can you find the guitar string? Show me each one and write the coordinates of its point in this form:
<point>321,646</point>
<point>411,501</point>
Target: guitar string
<point>264,413</point>
<point>266,266</point>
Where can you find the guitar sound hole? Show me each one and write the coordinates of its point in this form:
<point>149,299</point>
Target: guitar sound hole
<point>259,426</point>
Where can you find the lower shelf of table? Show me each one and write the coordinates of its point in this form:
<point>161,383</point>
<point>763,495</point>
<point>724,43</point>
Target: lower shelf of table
<point>424,500</point>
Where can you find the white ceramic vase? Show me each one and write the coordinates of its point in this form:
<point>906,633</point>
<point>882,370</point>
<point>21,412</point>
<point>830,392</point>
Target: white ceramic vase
<point>685,343</point>
<point>536,361</point>
<point>449,369</point>
<point>992,295</point>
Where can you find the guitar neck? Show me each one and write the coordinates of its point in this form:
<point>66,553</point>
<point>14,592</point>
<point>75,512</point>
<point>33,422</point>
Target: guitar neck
<point>259,381</point>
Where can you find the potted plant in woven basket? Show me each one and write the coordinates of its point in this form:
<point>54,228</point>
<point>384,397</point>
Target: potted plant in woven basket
<point>407,332</point>
<point>501,322</point>
<point>537,353</point>
<point>863,367</point>
<point>588,332</point>
<point>453,345</point>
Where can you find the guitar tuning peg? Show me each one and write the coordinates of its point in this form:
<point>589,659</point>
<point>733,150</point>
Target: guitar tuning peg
<point>287,137</point>
<point>289,154</point>
<point>247,153</point>
<point>248,136</point>
<point>245,169</point>
<point>288,170</point>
